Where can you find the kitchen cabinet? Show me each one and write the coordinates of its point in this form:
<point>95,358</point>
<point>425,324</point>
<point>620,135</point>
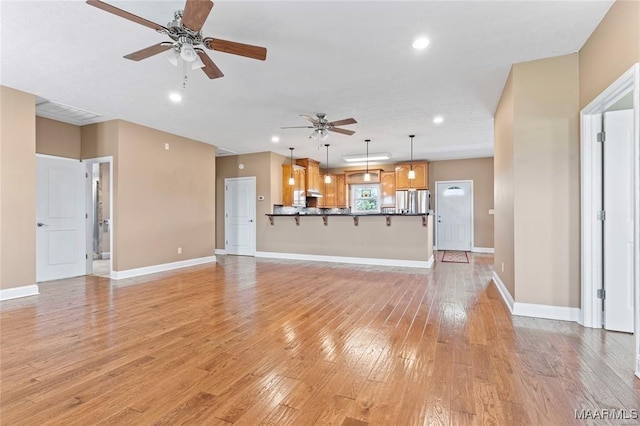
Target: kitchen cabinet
<point>313,181</point>
<point>293,195</point>
<point>334,193</point>
<point>341,191</point>
<point>388,195</point>
<point>402,176</point>
<point>357,176</point>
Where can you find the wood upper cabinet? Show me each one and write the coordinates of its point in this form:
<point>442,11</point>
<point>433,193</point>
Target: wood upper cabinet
<point>341,191</point>
<point>312,174</point>
<point>293,195</point>
<point>422,176</point>
<point>334,193</point>
<point>388,184</point>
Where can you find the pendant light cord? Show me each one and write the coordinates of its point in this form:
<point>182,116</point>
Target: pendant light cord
<point>411,136</point>
<point>291,164</point>
<point>367,141</point>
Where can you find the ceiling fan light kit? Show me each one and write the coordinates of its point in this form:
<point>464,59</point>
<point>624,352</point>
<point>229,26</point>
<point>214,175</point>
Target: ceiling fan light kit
<point>184,31</point>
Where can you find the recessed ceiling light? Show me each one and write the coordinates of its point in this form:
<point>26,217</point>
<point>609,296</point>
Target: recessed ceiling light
<point>175,97</point>
<point>275,139</point>
<point>420,43</point>
<point>438,119</point>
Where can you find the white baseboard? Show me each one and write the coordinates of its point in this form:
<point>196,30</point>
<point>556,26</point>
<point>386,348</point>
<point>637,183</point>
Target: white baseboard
<point>352,260</point>
<point>508,299</point>
<point>106,255</point>
<point>221,252</point>
<point>130,273</point>
<point>562,313</point>
<point>430,262</point>
<point>16,292</point>
<point>482,249</point>
<point>476,249</point>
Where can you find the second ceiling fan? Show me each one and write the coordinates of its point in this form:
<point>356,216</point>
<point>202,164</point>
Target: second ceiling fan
<point>321,126</point>
<point>184,31</point>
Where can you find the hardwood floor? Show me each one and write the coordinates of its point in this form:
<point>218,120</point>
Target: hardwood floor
<point>254,341</point>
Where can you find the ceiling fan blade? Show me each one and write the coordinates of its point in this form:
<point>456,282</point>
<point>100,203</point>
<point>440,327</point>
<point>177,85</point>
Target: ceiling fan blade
<point>149,51</point>
<point>309,118</point>
<point>195,13</point>
<point>343,131</point>
<point>343,122</point>
<point>126,15</point>
<point>235,48</point>
<point>298,127</point>
<point>210,69</point>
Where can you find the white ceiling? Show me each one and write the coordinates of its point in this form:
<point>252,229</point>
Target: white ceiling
<point>346,59</point>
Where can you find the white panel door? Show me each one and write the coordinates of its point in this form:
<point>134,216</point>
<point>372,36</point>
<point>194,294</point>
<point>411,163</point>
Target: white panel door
<point>618,224</point>
<point>453,205</point>
<point>60,219</point>
<point>240,216</point>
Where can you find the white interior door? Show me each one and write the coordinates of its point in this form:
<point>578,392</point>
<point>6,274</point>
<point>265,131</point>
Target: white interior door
<point>453,209</point>
<point>240,216</point>
<point>60,217</point>
<point>618,224</point>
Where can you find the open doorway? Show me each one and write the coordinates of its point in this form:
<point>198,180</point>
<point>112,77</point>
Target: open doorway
<point>101,212</point>
<point>99,240</point>
<point>610,148</point>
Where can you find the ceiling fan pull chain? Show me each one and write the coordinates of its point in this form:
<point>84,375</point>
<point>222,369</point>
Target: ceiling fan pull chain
<point>184,72</point>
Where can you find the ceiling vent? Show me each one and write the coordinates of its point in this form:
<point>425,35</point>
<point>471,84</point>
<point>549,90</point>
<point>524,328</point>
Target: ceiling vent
<point>221,152</point>
<point>65,113</point>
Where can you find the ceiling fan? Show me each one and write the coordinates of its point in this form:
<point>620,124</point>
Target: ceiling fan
<point>184,31</point>
<point>321,126</point>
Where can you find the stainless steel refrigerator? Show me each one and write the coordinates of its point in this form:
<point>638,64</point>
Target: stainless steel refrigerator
<point>413,202</point>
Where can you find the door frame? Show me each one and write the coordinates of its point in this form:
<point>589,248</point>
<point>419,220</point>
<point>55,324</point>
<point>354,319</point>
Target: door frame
<point>590,187</point>
<point>448,182</point>
<point>89,162</point>
<point>226,211</point>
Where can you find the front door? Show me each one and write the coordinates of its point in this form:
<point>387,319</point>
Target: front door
<point>60,217</point>
<point>453,207</point>
<point>240,216</point>
<point>618,223</point>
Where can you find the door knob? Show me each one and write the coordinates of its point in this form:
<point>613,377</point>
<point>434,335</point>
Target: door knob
<point>250,220</point>
<point>40,224</point>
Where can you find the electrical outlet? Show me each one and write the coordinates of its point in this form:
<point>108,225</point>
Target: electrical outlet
<point>502,266</point>
<point>180,252</point>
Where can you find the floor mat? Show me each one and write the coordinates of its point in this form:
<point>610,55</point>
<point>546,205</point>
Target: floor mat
<point>455,257</point>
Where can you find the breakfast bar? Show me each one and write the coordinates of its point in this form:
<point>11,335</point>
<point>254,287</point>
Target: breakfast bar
<point>391,239</point>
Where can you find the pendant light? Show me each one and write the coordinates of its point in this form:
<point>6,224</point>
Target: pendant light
<point>327,177</point>
<point>292,181</point>
<point>412,173</point>
<point>367,176</point>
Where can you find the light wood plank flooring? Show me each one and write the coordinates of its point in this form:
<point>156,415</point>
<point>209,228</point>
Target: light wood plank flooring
<point>255,341</point>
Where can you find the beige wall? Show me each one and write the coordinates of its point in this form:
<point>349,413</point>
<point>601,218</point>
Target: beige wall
<point>57,138</point>
<point>166,198</point>
<point>405,239</point>
<point>163,199</point>
<point>17,188</point>
<point>611,49</point>
<point>480,170</point>
<point>546,174</point>
<point>503,187</point>
<point>258,165</point>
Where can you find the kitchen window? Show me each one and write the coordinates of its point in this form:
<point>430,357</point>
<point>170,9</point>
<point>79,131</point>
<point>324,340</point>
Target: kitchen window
<point>365,198</point>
